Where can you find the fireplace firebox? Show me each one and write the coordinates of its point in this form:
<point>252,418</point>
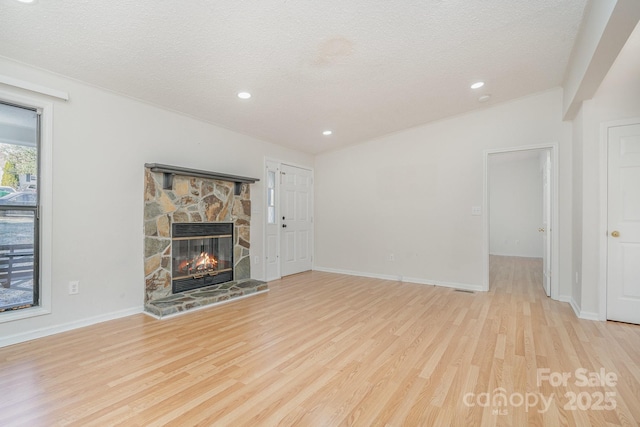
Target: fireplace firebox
<point>201,255</point>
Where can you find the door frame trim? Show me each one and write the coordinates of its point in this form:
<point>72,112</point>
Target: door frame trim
<point>603,172</point>
<point>265,225</point>
<point>555,229</point>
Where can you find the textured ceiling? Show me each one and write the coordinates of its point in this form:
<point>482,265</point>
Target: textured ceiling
<point>361,68</point>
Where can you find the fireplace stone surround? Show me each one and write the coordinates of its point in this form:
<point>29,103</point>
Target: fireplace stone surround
<point>179,195</point>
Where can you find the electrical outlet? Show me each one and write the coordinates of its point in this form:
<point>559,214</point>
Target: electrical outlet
<point>74,287</point>
<point>391,258</point>
<point>256,260</point>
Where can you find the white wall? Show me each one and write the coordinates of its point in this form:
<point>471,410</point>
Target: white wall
<point>515,205</point>
<point>618,97</point>
<point>576,289</point>
<point>410,194</point>
<point>101,141</point>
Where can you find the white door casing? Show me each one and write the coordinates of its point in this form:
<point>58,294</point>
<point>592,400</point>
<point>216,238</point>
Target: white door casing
<point>546,221</point>
<point>623,224</point>
<point>296,229</point>
<point>272,224</point>
<point>553,231</point>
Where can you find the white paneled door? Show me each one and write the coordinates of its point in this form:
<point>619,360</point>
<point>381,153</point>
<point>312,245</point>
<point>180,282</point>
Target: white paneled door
<point>296,220</point>
<point>623,216</point>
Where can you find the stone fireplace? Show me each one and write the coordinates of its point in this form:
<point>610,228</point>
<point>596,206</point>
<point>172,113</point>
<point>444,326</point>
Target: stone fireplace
<point>196,239</point>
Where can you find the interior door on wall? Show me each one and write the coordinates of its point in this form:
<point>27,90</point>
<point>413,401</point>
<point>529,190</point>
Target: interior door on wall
<point>296,228</point>
<point>623,217</point>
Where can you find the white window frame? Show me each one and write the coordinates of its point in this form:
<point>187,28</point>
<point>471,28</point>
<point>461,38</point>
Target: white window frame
<point>45,157</point>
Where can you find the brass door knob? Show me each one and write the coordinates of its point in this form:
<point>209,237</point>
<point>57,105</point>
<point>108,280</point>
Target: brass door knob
<point>615,233</point>
<point>541,230</point>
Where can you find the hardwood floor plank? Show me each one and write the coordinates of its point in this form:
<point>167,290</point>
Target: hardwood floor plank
<point>329,349</point>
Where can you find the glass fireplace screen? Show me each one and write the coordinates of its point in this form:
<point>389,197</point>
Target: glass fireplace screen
<point>202,254</point>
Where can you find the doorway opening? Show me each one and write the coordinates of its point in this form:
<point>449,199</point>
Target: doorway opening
<point>288,239</point>
<point>521,213</point>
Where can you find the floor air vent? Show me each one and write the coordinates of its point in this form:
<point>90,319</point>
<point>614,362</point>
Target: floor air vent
<point>464,290</point>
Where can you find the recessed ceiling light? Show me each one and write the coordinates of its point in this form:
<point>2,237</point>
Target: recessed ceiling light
<point>244,95</point>
<point>27,1</point>
<point>484,98</point>
<point>327,132</point>
<point>477,85</point>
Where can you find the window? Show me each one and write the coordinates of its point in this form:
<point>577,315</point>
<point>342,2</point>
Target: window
<point>271,197</point>
<point>19,207</point>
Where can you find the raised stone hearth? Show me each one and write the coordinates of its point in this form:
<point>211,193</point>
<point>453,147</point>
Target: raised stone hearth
<point>202,297</point>
<point>193,199</point>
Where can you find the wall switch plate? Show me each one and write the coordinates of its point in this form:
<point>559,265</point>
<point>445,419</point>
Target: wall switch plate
<point>74,287</point>
<point>476,210</point>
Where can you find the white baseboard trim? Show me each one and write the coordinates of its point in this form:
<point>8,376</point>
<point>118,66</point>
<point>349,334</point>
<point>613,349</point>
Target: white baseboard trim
<point>359,273</point>
<point>418,281</point>
<point>589,315</point>
<point>56,329</point>
<point>518,256</point>
<point>464,286</point>
<point>586,315</point>
<point>572,303</point>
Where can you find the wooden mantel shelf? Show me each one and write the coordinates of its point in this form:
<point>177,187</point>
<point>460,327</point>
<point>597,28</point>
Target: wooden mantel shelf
<point>170,171</point>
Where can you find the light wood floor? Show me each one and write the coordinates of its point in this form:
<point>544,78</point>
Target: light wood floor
<point>324,349</point>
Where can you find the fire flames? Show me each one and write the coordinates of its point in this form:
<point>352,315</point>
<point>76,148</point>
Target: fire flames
<point>202,262</point>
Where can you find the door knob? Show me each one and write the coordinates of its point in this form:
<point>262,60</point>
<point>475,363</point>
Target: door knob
<point>615,233</point>
<point>541,230</point>
<point>284,225</point>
